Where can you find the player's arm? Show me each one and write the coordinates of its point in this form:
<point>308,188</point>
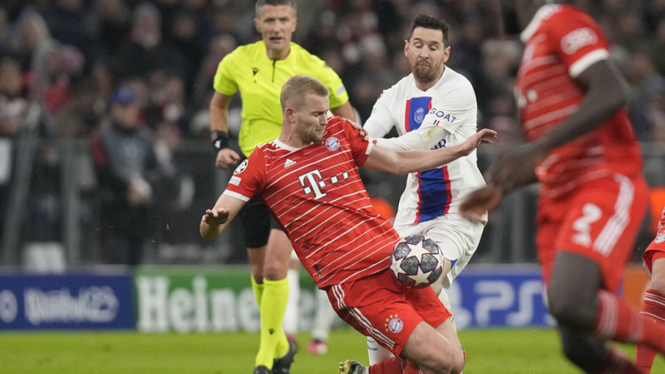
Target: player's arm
<point>219,129</point>
<point>606,93</point>
<point>215,220</point>
<point>423,138</point>
<point>388,160</point>
<point>345,111</point>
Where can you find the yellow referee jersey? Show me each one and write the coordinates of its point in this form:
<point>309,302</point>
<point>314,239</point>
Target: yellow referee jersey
<point>260,81</point>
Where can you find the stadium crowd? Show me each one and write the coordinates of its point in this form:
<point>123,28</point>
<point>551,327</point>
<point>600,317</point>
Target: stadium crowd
<point>72,56</point>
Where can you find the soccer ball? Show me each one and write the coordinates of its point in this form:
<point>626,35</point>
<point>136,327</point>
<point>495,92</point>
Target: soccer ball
<point>416,261</point>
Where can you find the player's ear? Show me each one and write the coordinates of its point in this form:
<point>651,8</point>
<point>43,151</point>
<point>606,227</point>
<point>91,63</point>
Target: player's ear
<point>406,48</point>
<point>256,25</point>
<point>446,54</point>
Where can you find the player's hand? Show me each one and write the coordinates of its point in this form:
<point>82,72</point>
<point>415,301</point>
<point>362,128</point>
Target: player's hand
<point>215,217</point>
<point>226,158</point>
<point>482,136</point>
<point>479,202</point>
<point>514,168</point>
<point>360,129</point>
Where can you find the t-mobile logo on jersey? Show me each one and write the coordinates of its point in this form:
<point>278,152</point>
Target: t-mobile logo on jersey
<point>312,181</point>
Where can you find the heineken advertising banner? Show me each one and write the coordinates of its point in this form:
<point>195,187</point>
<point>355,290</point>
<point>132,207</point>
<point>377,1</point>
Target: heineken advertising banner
<point>221,299</point>
<point>204,300</point>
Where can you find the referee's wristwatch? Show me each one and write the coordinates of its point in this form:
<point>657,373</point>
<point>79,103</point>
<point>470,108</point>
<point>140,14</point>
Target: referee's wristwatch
<point>220,140</point>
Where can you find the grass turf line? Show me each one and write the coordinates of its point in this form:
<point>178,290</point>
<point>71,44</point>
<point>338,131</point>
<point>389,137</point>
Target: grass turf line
<point>489,351</point>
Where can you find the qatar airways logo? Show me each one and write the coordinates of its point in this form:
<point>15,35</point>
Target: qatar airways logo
<point>313,182</point>
<point>577,39</point>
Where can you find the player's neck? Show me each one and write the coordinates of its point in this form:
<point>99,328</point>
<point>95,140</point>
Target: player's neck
<point>291,139</point>
<point>424,86</point>
<point>278,54</point>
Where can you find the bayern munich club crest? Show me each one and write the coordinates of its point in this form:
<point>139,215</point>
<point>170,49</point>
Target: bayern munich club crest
<point>332,143</point>
<point>394,324</point>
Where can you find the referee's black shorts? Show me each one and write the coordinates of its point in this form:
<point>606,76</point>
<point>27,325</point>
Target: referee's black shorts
<point>257,223</point>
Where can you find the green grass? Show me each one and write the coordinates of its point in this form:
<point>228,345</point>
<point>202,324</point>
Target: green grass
<point>489,351</point>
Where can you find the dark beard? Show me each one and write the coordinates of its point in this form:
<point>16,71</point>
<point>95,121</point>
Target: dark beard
<point>424,77</point>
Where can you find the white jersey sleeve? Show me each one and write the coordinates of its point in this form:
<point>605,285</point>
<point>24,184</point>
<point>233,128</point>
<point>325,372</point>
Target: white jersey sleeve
<point>382,119</point>
<point>420,139</point>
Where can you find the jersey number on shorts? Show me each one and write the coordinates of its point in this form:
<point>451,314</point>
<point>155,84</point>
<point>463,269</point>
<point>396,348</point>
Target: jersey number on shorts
<point>590,214</point>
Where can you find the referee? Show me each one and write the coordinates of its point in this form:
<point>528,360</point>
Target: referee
<point>258,71</point>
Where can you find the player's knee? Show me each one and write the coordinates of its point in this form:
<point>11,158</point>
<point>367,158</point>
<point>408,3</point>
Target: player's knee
<point>275,270</point>
<point>567,309</point>
<point>450,363</point>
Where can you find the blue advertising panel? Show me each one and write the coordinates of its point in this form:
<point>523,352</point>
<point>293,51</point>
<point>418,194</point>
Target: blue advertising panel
<point>67,301</point>
<point>499,296</point>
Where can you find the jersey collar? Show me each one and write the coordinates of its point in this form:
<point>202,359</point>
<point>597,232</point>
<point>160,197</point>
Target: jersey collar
<point>283,145</point>
<point>543,12</point>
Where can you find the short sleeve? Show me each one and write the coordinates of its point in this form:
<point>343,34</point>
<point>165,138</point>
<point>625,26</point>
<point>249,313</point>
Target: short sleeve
<point>338,95</point>
<point>248,179</point>
<point>380,121</point>
<point>452,110</point>
<point>577,39</point>
<point>224,82</point>
<point>360,148</point>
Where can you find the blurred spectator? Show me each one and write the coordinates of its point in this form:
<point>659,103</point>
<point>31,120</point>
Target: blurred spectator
<point>67,22</point>
<point>127,171</point>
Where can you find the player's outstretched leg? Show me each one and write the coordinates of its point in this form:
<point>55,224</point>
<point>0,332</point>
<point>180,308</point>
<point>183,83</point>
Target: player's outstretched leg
<point>653,309</point>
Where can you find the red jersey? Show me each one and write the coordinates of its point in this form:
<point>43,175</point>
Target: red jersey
<point>560,43</point>
<point>316,194</point>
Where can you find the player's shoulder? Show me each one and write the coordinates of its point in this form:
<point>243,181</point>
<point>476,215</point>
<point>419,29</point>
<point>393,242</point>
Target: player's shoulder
<point>246,52</point>
<point>402,88</point>
<point>561,15</point>
<point>304,57</point>
<point>457,80</point>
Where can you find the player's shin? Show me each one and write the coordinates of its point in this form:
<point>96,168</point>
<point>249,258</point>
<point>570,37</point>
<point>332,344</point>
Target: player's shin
<point>273,340</point>
<point>654,310</point>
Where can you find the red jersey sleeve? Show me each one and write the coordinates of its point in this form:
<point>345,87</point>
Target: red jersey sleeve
<point>577,39</point>
<point>249,177</point>
<point>360,148</point>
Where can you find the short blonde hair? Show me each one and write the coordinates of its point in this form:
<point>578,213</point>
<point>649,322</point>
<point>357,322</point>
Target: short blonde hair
<point>297,87</point>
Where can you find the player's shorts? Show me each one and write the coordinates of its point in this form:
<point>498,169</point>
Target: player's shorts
<point>257,223</point>
<point>599,220</point>
<point>457,237</point>
<point>381,308</point>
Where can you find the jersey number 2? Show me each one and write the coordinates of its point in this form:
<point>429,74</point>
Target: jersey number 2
<point>590,214</point>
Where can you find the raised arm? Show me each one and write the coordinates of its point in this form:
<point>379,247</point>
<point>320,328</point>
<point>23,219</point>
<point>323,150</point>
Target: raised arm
<point>388,160</point>
<point>215,220</point>
<point>345,111</point>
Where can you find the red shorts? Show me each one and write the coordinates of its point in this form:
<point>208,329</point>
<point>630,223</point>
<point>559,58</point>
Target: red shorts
<point>380,307</point>
<point>599,220</point>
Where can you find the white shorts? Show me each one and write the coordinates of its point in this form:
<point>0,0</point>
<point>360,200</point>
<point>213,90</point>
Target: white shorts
<point>457,237</point>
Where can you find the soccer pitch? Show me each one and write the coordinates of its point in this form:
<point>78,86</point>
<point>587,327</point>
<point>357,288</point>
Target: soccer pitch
<point>489,351</point>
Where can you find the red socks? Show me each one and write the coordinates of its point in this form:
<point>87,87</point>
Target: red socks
<point>653,310</point>
<point>393,365</point>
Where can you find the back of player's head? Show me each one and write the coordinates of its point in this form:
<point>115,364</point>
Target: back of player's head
<point>297,87</point>
<point>429,22</point>
<point>261,3</point>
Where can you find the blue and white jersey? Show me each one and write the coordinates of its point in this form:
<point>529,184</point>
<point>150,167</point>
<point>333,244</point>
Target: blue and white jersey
<point>443,115</point>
